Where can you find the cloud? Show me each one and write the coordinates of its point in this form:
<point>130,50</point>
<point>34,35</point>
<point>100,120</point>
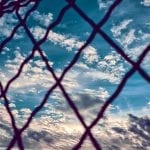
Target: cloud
<point>57,126</point>
<point>127,133</point>
<point>129,38</point>
<point>145,3</point>
<point>7,23</point>
<point>132,40</point>
<point>6,26</point>
<point>141,125</point>
<point>125,39</point>
<point>103,5</point>
<point>32,71</point>
<point>113,132</point>
<point>90,53</point>
<point>42,19</point>
<point>86,101</point>
<point>35,80</point>
<point>117,29</point>
<point>36,76</point>
<point>99,75</point>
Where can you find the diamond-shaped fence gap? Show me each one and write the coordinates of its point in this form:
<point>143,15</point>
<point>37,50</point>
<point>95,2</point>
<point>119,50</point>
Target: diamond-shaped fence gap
<point>107,104</point>
<point>56,127</point>
<point>34,81</point>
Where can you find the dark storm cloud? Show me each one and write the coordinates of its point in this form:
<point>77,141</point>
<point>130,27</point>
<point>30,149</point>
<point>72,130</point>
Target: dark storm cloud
<point>5,134</point>
<point>37,136</point>
<point>86,101</point>
<point>6,128</point>
<point>139,129</point>
<point>144,123</point>
<point>82,101</point>
<point>119,130</point>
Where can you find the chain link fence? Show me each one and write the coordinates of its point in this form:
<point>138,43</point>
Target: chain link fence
<point>7,7</point>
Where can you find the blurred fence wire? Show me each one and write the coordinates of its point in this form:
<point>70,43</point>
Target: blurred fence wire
<point>7,7</point>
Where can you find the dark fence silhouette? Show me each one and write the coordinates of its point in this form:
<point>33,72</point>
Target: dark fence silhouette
<point>13,7</point>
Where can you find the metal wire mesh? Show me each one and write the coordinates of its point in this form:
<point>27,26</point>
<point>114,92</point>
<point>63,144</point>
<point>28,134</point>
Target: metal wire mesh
<point>14,7</point>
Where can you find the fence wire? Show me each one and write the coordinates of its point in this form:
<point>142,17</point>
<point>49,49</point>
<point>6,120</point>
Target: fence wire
<point>14,7</point>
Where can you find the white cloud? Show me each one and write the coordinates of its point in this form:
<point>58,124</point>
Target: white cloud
<point>6,26</point>
<point>7,23</point>
<point>90,53</point>
<point>81,66</point>
<point>134,52</point>
<point>35,78</point>
<point>43,19</point>
<point>99,75</point>
<point>126,39</point>
<point>146,3</point>
<point>104,4</point>
<point>110,68</point>
<point>117,29</point>
<point>100,93</point>
<point>33,74</point>
<point>129,38</point>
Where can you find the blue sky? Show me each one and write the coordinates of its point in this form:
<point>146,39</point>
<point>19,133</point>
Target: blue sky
<point>93,78</point>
